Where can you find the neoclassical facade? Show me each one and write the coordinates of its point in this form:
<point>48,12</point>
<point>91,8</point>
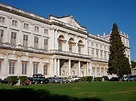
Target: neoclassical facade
<point>54,46</point>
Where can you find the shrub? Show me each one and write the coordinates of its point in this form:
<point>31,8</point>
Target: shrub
<point>98,78</point>
<point>12,80</point>
<point>23,79</point>
<point>89,78</point>
<point>84,79</point>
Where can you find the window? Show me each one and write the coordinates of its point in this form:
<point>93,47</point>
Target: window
<point>105,54</point>
<point>14,22</point>
<point>45,44</point>
<point>97,53</point>
<point>91,43</point>
<point>60,45</point>
<point>45,31</point>
<point>70,47</point>
<point>36,29</point>
<point>2,20</point>
<point>101,54</point>
<point>11,67</point>
<point>1,35</point>
<point>26,26</point>
<point>13,38</point>
<point>35,68</point>
<point>45,70</point>
<point>25,40</point>
<point>80,45</point>
<point>92,52</point>
<point>24,68</point>
<point>35,42</point>
<point>79,49</point>
<point>96,45</point>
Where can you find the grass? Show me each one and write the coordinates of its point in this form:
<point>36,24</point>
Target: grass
<point>94,91</point>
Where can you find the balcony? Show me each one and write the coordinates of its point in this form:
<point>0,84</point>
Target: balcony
<point>65,53</point>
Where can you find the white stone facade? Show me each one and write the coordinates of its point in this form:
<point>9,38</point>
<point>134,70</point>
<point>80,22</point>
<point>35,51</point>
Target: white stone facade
<point>57,46</point>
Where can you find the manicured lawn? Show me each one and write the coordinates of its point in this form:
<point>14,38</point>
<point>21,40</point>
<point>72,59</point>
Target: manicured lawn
<point>94,91</point>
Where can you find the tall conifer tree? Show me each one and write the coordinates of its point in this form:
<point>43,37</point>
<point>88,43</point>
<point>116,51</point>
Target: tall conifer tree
<point>118,63</point>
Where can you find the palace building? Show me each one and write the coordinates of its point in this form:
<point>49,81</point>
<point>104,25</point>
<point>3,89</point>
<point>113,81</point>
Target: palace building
<point>54,46</point>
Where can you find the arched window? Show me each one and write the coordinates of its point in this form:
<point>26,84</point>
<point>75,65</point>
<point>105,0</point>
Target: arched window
<point>80,45</point>
<point>71,43</point>
<point>60,42</point>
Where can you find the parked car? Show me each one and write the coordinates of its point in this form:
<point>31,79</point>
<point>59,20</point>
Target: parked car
<point>38,79</point>
<point>5,80</point>
<point>51,79</point>
<point>0,80</point>
<point>131,78</point>
<point>125,78</point>
<point>105,78</point>
<point>114,79</point>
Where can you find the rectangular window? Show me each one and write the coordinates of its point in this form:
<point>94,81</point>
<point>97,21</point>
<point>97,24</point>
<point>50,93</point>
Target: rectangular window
<point>24,68</point>
<point>2,20</point>
<point>14,22</point>
<point>79,49</point>
<point>60,45</point>
<point>92,52</point>
<point>36,29</point>
<point>45,70</point>
<point>70,47</point>
<point>101,54</point>
<point>97,53</point>
<point>45,31</point>
<point>105,54</point>
<point>13,38</point>
<point>1,35</point>
<point>45,44</point>
<point>35,68</point>
<point>25,40</point>
<point>35,42</point>
<point>11,67</point>
<point>26,26</point>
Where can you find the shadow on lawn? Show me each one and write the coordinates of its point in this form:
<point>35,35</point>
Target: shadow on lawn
<point>27,94</point>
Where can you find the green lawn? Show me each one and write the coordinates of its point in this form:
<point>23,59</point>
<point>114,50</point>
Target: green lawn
<point>93,91</point>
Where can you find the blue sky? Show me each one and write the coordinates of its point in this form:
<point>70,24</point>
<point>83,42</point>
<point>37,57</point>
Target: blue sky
<point>97,16</point>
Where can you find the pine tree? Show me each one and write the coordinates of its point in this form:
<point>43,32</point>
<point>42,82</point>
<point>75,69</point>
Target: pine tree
<point>118,63</point>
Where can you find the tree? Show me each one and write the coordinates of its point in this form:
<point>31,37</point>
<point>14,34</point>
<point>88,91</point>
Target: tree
<point>118,63</point>
<point>133,64</point>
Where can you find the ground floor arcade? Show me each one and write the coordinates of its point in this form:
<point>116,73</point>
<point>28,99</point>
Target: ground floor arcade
<point>26,64</point>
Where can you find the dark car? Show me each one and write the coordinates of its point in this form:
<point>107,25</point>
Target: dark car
<point>131,78</point>
<point>106,78</point>
<point>5,80</point>
<point>0,80</point>
<point>38,79</point>
<point>114,79</point>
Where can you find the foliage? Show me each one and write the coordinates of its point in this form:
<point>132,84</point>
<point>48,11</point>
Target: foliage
<point>87,78</point>
<point>98,78</point>
<point>118,63</point>
<point>133,64</point>
<point>12,80</point>
<point>23,79</point>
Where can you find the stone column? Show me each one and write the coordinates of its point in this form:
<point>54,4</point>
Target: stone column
<point>55,67</point>
<point>69,67</point>
<point>58,67</point>
<point>87,69</point>
<point>19,66</point>
<point>5,65</point>
<point>79,68</point>
<point>90,66</point>
<point>30,67</point>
